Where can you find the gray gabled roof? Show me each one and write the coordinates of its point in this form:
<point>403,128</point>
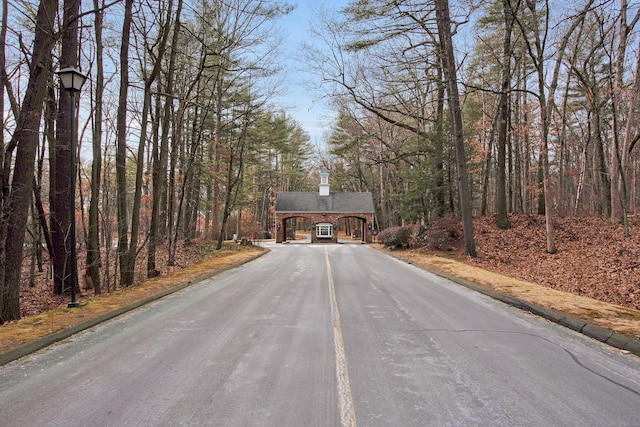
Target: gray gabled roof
<point>334,202</point>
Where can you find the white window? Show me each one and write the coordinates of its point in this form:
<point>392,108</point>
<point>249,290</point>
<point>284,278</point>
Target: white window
<point>324,230</point>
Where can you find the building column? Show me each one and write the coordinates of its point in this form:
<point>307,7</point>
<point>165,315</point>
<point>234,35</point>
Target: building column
<point>280,230</point>
<point>368,232</point>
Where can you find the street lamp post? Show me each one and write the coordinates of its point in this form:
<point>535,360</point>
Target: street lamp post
<point>72,80</point>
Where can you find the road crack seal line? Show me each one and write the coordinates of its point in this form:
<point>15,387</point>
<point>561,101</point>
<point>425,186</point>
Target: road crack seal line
<point>345,399</point>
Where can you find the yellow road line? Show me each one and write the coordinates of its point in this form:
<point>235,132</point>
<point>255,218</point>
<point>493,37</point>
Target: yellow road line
<point>345,399</point>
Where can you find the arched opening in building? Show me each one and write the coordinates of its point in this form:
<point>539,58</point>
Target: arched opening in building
<point>297,228</point>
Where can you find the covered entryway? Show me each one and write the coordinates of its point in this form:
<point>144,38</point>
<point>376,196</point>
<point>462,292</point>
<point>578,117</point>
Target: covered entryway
<point>324,210</point>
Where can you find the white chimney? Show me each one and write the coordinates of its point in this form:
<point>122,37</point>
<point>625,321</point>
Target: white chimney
<point>324,182</point>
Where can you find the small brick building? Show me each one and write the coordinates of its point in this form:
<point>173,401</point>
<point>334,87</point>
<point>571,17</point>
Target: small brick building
<point>324,209</point>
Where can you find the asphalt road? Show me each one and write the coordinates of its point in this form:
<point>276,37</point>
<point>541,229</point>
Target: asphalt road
<point>324,335</point>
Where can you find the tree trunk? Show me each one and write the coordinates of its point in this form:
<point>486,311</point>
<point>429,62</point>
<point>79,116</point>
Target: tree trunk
<point>487,168</point>
<point>195,212</point>
<point>160,161</point>
<point>438,149</point>
<point>444,30</point>
<point>62,213</point>
<point>519,181</point>
<point>42,218</point>
<point>193,192</point>
<point>502,220</point>
<point>93,242</point>
<point>107,226</point>
<point>171,192</point>
<point>25,139</point>
<point>234,178</point>
<point>121,147</point>
<point>188,170</point>
<point>188,192</point>
<point>627,147</point>
<point>215,199</point>
<point>128,258</point>
<point>4,85</point>
<point>544,149</point>
<point>546,101</point>
<point>616,205</point>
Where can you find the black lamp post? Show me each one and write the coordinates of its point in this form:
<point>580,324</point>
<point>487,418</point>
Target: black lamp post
<point>72,80</point>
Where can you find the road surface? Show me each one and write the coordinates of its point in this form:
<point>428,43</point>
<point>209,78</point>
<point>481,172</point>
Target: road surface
<point>324,335</point>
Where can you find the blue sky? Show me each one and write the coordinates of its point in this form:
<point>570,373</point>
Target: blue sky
<point>300,102</point>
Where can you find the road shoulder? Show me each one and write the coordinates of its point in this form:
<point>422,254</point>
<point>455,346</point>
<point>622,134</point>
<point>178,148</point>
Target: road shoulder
<point>26,336</point>
<point>611,324</point>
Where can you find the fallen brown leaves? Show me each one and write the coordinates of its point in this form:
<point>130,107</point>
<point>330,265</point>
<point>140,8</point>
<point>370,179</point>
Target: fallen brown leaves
<point>594,258</point>
<point>36,297</point>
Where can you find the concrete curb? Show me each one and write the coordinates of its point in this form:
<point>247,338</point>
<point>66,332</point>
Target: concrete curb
<point>596,332</point>
<point>62,334</point>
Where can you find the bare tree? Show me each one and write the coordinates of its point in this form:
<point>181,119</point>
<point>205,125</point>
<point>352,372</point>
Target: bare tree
<point>124,255</point>
<point>128,244</point>
<point>93,239</point>
<point>503,117</point>
<point>618,183</point>
<point>17,196</point>
<point>449,66</point>
<point>536,49</point>
<point>160,154</point>
<point>63,214</point>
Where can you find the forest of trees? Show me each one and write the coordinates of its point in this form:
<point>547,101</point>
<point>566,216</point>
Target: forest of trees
<point>548,92</point>
<point>444,107</point>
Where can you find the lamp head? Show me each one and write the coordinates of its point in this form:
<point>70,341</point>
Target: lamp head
<point>71,79</point>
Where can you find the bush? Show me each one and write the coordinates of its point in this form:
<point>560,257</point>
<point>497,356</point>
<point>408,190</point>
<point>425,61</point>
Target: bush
<point>440,234</point>
<point>394,237</point>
